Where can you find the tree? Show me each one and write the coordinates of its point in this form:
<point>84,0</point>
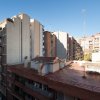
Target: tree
<point>87,57</point>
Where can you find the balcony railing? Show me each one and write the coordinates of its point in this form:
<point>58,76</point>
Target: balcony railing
<point>43,92</point>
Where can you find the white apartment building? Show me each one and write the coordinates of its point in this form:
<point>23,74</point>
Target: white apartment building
<point>62,44</point>
<point>37,41</point>
<point>25,36</point>
<point>21,37</point>
<point>15,38</point>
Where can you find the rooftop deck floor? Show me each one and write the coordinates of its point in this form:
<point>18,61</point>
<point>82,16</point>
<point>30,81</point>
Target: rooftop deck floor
<point>68,80</point>
<point>74,76</point>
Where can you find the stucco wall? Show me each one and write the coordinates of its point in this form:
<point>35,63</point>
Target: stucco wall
<point>25,21</point>
<point>37,38</point>
<point>41,41</point>
<point>35,33</point>
<point>61,44</point>
<point>13,41</point>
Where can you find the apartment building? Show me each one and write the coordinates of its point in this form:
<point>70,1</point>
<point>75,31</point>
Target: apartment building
<point>96,42</point>
<point>71,49</point>
<point>64,84</point>
<point>75,51</point>
<point>50,44</point>
<point>37,38</point>
<point>62,45</point>
<point>14,45</point>
<point>86,44</point>
<point>45,78</point>
<point>17,35</point>
<point>78,52</point>
<point>90,44</point>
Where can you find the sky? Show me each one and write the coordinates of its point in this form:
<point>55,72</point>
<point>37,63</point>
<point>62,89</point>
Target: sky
<point>76,17</point>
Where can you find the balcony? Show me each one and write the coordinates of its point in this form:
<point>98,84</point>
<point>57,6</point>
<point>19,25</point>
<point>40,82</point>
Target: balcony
<point>35,92</point>
<point>39,90</point>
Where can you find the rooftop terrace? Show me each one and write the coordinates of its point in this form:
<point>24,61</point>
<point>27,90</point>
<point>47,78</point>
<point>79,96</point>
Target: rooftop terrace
<point>69,80</point>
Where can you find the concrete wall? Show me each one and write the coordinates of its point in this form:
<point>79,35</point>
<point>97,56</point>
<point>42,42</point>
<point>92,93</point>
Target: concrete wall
<point>37,38</point>
<point>41,41</point>
<point>45,69</point>
<point>94,68</point>
<point>17,38</point>
<point>25,32</point>
<point>34,65</point>
<point>35,30</point>
<point>32,38</point>
<point>96,57</point>
<point>62,45</point>
<point>55,67</point>
<point>54,44</point>
<point>13,41</point>
<point>48,67</point>
<point>22,39</point>
<point>62,65</point>
<point>71,48</point>
<point>47,43</point>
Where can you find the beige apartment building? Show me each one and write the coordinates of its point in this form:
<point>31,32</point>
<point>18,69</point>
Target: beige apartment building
<point>37,38</point>
<point>21,37</point>
<point>90,44</point>
<point>15,36</point>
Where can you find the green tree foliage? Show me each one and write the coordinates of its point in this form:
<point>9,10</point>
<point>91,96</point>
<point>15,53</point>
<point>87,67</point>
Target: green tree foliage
<point>87,57</point>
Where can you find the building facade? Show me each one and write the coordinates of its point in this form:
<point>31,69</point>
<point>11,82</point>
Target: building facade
<point>75,50</point>
<point>28,84</point>
<point>17,47</point>
<point>14,45</point>
<point>22,38</point>
<point>62,45</point>
<point>37,38</point>
<point>50,44</point>
<point>90,44</point>
<point>18,37</point>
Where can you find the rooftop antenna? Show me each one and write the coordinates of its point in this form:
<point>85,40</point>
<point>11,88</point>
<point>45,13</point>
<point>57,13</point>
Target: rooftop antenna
<point>84,27</point>
<point>84,33</point>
